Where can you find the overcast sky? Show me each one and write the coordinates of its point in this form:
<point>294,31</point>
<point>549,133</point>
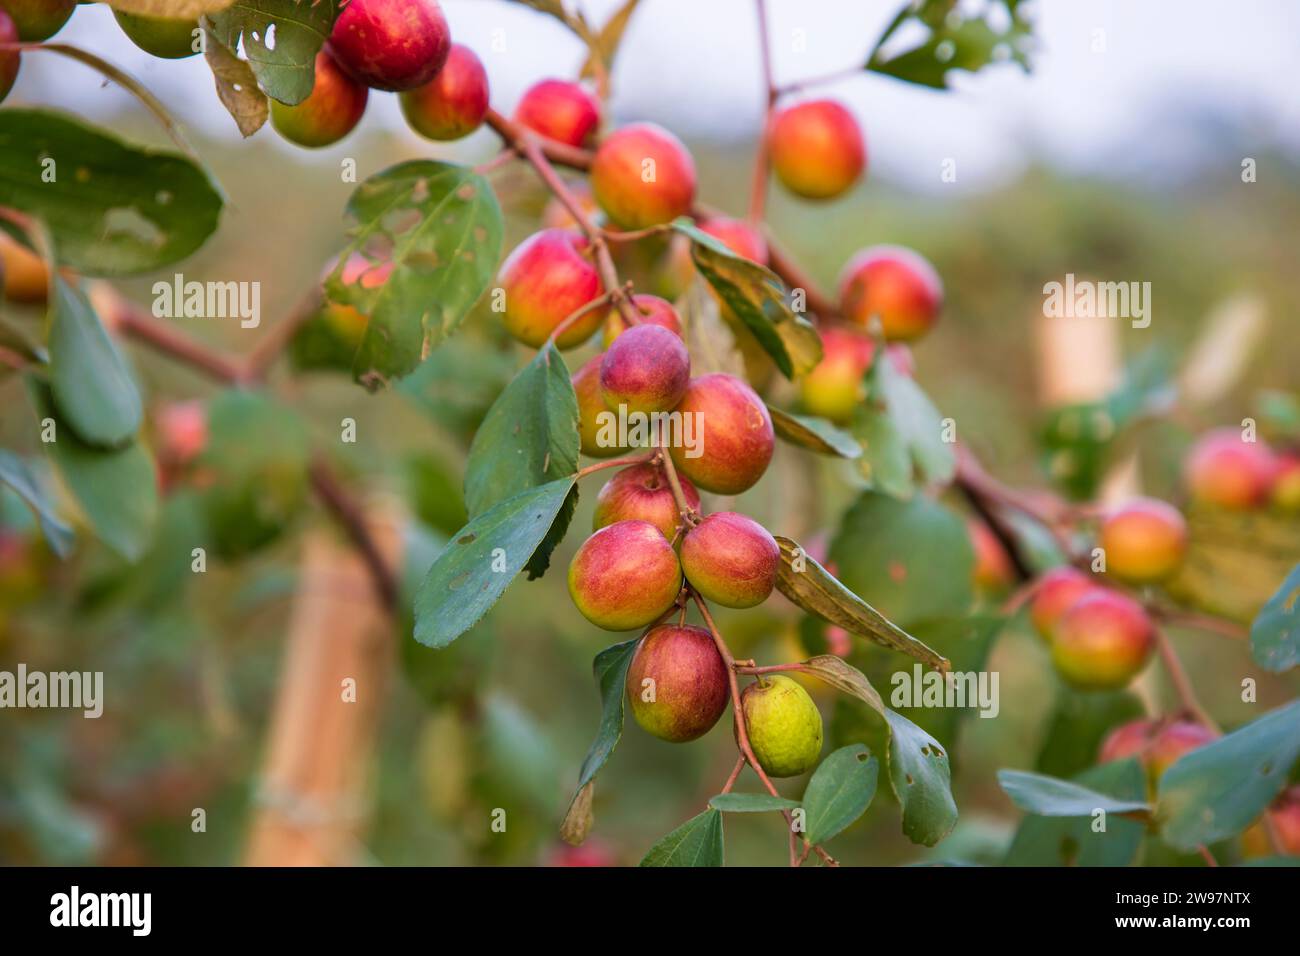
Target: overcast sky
<point>1122,87</point>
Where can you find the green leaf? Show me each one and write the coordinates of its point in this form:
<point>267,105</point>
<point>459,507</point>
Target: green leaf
<point>912,560</point>
<point>818,592</point>
<point>1072,841</point>
<point>1275,634</point>
<point>839,792</point>
<point>529,437</point>
<point>18,475</point>
<point>902,434</point>
<point>237,87</point>
<point>956,39</point>
<point>117,490</point>
<point>440,227</point>
<point>112,209</point>
<point>1080,722</point>
<point>481,560</point>
<point>1052,797</point>
<point>921,780</point>
<point>286,68</point>
<point>92,388</point>
<point>885,463</point>
<point>1219,789</point>
<point>697,842</point>
<point>815,434</point>
<point>541,559</point>
<point>755,294</point>
<point>846,678</point>
<point>751,803</point>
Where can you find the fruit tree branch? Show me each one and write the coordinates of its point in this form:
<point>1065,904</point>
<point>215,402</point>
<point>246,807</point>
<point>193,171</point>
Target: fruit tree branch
<point>758,186</point>
<point>1182,683</point>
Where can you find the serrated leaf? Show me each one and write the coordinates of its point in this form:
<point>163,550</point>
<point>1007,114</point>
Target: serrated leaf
<point>236,87</point>
<point>285,69</point>
<point>1275,633</point>
<point>440,227</point>
<point>815,434</point>
<point>1046,796</point>
<point>839,792</point>
<point>92,389</point>
<point>112,209</point>
<point>921,779</point>
<point>529,436</point>
<point>818,592</point>
<point>751,803</point>
<point>18,475</point>
<point>465,581</point>
<point>1071,841</point>
<point>760,299</point>
<point>1220,788</point>
<point>697,842</point>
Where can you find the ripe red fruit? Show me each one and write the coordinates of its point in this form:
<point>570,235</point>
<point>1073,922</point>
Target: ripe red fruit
<point>735,437</point>
<point>1156,745</point>
<point>646,370</point>
<point>643,176</point>
<point>592,853</point>
<point>559,110</point>
<point>738,236</point>
<point>642,493</point>
<point>653,311</point>
<point>894,284</point>
<point>391,44</point>
<point>546,279</point>
<point>1102,641</point>
<point>453,103</point>
<point>993,571</point>
<point>625,576</point>
<point>591,404</point>
<point>330,112</point>
<point>10,60</point>
<point>1227,472</point>
<point>1145,541</point>
<point>1058,590</point>
<point>1286,482</point>
<point>731,559</point>
<point>38,20</point>
<point>817,149</point>
<point>681,671</point>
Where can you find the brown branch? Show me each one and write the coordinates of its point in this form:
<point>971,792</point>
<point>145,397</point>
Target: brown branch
<point>514,135</point>
<point>758,185</point>
<point>272,345</point>
<point>1182,683</point>
<point>350,517</point>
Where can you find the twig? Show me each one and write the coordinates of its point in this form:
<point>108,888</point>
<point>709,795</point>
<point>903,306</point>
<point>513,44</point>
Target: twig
<point>350,516</point>
<point>689,515</point>
<point>758,186</point>
<point>272,345</point>
<point>1182,683</point>
<point>616,463</point>
<point>735,773</point>
<point>133,321</point>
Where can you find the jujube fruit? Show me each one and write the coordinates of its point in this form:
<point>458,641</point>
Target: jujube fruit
<point>38,20</point>
<point>895,285</point>
<point>1103,641</point>
<point>625,576</point>
<point>1286,483</point>
<point>653,311</point>
<point>1144,541</point>
<point>453,103</point>
<point>646,370</point>
<point>1057,591</point>
<point>591,405</point>
<point>740,237</point>
<point>170,38</point>
<point>731,559</point>
<point>834,388</point>
<point>679,667</point>
<point>1155,745</point>
<point>331,111</point>
<point>1225,471</point>
<point>26,276</point>
<point>817,149</point>
<point>736,440</point>
<point>783,724</point>
<point>642,493</point>
<point>391,44</point>
<point>993,571</point>
<point>643,176</point>
<point>546,279</point>
<point>559,110</point>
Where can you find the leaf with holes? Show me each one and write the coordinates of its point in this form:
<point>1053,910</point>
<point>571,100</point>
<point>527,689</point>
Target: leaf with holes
<point>697,842</point>
<point>751,803</point>
<point>755,294</point>
<point>1275,634</point>
<point>1220,788</point>
<point>481,561</point>
<point>112,209</point>
<point>839,792</point>
<point>815,434</point>
<point>440,227</point>
<point>817,591</point>
<point>921,780</point>
<point>280,40</point>
<point>236,87</point>
<point>1047,796</point>
<point>92,389</point>
<point>19,476</point>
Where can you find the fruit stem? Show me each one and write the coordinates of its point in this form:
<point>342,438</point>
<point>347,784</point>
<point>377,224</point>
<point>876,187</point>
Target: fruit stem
<point>1182,684</point>
<point>599,302</point>
<point>616,463</point>
<point>768,669</point>
<point>735,773</point>
<point>1206,855</point>
<point>679,497</point>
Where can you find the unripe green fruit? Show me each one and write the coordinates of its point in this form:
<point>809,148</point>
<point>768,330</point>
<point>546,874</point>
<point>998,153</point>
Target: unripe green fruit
<point>1144,541</point>
<point>642,493</point>
<point>1103,641</point>
<point>331,111</point>
<point>646,370</point>
<point>38,20</point>
<point>736,439</point>
<point>677,683</point>
<point>731,559</point>
<point>165,37</point>
<point>625,576</point>
<point>784,726</point>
